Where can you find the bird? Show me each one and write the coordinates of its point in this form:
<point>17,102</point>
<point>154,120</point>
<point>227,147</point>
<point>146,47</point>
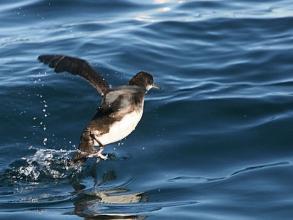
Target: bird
<point>120,110</point>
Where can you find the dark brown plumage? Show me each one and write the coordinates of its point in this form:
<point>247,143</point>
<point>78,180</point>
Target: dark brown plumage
<point>76,66</point>
<point>121,107</point>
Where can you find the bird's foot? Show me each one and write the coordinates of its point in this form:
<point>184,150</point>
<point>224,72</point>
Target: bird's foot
<point>99,154</point>
<point>102,156</point>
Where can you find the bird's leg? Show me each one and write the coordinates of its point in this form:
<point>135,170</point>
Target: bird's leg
<point>99,153</point>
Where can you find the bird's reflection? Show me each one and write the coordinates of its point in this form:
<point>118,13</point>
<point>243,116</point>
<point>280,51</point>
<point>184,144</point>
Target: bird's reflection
<point>96,202</point>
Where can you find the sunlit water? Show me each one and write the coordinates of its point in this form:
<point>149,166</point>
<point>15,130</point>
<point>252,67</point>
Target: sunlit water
<point>214,143</point>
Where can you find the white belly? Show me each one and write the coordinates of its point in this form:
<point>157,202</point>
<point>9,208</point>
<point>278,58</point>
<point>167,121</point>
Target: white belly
<point>121,129</point>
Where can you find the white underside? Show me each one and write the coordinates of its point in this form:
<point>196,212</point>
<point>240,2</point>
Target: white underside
<point>120,129</point>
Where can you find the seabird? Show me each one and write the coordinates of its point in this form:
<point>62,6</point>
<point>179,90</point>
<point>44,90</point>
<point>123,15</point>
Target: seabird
<point>120,111</point>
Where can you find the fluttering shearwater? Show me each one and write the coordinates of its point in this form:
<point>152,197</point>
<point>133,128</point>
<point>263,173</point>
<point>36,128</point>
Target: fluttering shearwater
<point>120,111</point>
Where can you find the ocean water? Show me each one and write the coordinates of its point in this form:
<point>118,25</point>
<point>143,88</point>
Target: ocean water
<point>215,142</point>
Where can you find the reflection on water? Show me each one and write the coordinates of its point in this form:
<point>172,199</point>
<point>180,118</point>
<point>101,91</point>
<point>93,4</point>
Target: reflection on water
<point>114,203</point>
<point>109,205</point>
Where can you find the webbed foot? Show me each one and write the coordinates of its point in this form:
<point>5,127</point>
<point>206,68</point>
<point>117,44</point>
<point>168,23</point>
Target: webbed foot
<point>99,154</point>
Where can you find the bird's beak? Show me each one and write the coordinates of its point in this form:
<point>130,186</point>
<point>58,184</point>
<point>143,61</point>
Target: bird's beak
<point>155,86</point>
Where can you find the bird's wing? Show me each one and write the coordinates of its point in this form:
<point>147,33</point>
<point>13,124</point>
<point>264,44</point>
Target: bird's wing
<point>76,66</point>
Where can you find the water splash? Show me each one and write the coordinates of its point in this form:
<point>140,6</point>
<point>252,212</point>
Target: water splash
<point>44,164</point>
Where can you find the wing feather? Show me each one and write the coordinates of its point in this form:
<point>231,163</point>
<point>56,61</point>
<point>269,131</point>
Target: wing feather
<point>76,66</point>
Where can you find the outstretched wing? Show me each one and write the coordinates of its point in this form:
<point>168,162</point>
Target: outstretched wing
<point>76,66</point>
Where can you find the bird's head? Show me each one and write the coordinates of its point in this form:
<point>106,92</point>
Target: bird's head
<point>144,80</point>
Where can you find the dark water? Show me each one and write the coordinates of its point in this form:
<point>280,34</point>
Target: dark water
<point>214,143</point>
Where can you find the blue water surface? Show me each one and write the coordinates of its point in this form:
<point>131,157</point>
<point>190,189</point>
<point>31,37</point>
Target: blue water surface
<point>215,143</point>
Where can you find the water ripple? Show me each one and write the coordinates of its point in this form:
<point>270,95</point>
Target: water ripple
<point>218,134</point>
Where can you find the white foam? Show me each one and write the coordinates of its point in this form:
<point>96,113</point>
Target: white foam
<point>48,163</point>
